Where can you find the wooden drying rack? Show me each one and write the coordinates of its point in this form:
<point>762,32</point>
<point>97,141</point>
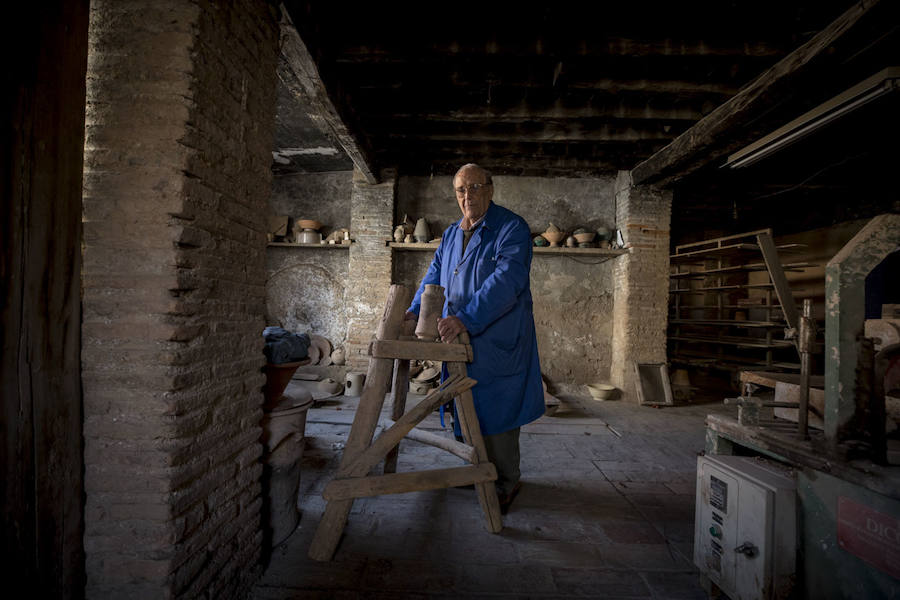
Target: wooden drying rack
<point>390,354</point>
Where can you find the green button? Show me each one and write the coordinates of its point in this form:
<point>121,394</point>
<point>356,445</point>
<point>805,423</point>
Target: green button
<point>715,531</point>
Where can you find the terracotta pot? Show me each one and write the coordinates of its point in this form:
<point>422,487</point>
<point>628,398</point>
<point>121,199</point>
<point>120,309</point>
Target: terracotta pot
<point>431,310</point>
<point>338,356</point>
<point>277,378</point>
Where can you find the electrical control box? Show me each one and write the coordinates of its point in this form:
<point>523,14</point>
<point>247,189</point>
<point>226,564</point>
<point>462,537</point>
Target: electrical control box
<point>745,526</point>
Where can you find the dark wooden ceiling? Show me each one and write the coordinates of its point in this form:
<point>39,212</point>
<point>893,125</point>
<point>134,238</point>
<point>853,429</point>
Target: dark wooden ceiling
<point>559,88</point>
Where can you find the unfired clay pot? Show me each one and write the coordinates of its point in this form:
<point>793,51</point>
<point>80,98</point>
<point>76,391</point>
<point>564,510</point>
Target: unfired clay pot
<point>430,311</point>
<point>399,234</point>
<point>422,232</point>
<point>338,357</point>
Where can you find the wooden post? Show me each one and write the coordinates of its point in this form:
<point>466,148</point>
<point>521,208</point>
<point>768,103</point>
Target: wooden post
<point>471,430</point>
<point>398,397</point>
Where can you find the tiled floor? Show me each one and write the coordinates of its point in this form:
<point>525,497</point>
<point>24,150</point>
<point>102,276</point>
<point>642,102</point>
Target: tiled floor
<point>606,511</point>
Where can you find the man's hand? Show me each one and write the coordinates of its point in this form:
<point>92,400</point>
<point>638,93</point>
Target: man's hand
<point>449,328</point>
<point>410,316</point>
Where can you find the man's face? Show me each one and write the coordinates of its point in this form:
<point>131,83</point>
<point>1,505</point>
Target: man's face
<point>473,203</point>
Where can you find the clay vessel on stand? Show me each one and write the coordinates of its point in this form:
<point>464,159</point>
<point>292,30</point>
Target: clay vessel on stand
<point>422,233</point>
<point>430,311</point>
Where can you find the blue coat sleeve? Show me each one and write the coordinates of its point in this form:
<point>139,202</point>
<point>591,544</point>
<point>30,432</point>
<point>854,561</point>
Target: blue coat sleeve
<point>432,276</point>
<point>500,291</point>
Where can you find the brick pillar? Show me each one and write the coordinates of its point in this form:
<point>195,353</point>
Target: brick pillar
<point>179,125</point>
<point>641,277</point>
<point>371,219</point>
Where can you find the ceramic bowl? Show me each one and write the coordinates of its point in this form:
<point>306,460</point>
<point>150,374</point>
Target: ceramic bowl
<point>585,237</point>
<point>601,391</point>
<point>308,224</point>
<point>554,237</point>
<point>309,237</point>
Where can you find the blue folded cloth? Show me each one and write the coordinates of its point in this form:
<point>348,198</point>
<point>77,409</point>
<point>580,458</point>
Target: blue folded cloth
<point>283,346</point>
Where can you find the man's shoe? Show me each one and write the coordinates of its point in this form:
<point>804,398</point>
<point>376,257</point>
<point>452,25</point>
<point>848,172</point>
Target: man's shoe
<point>507,499</point>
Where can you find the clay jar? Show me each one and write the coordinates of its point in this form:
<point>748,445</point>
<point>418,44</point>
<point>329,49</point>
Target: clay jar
<point>430,311</point>
<point>422,232</point>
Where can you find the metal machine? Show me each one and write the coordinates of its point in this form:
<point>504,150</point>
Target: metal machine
<point>745,536</point>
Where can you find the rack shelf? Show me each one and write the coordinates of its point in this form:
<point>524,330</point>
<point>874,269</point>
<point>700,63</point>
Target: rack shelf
<point>727,323</point>
<point>727,271</point>
<point>797,266</point>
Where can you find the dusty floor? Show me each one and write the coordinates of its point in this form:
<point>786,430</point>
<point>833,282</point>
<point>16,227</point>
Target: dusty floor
<point>606,511</point>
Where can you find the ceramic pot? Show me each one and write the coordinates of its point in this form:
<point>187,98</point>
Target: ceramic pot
<point>554,237</point>
<point>431,310</point>
<point>399,233</point>
<point>422,232</point>
<point>338,357</point>
<point>571,242</point>
<point>355,383</point>
<point>409,238</point>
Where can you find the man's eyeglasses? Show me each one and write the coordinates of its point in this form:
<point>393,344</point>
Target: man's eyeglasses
<point>472,188</point>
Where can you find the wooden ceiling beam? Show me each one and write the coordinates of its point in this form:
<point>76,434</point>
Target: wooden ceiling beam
<point>298,71</point>
<point>719,133</point>
<point>381,53</point>
<point>524,115</point>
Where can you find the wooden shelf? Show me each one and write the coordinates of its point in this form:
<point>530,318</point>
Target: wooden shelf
<point>727,323</point>
<point>729,363</point>
<point>748,249</point>
<point>413,246</point>
<point>737,342</point>
<point>321,246</point>
<point>737,269</point>
<point>609,252</point>
<point>722,288</point>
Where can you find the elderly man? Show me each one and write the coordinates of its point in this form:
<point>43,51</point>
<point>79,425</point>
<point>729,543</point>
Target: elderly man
<point>483,263</point>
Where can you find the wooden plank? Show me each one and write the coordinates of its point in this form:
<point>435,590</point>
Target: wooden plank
<point>463,451</point>
<point>714,136</point>
<point>776,274</point>
<point>398,483</point>
<point>813,454</point>
<point>471,431</point>
<point>770,379</point>
<point>298,71</point>
<point>378,378</point>
<point>398,406</point>
<point>420,350</point>
<point>361,464</point>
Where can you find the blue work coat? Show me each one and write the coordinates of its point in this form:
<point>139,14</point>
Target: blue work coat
<point>489,289</point>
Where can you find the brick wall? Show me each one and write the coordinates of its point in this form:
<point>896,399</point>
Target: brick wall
<point>641,280</point>
<point>177,173</point>
<point>371,215</point>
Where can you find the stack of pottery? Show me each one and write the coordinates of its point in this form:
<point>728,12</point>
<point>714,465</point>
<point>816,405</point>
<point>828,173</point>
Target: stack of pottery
<point>306,231</point>
<point>427,376</point>
<point>554,235</point>
<point>339,236</point>
<point>283,438</point>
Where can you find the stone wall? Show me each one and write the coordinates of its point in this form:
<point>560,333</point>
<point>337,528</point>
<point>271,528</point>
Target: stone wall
<point>641,281</point>
<point>305,287</point>
<point>178,159</point>
<point>573,296</point>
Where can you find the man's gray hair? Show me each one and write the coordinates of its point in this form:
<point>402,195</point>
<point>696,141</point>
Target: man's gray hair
<point>485,172</point>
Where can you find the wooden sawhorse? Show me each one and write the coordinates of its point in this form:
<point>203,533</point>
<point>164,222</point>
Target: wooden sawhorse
<point>390,355</point>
